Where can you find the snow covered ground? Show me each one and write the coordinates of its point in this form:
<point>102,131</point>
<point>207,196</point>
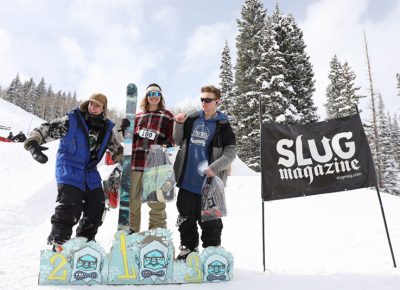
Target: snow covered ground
<point>332,241</point>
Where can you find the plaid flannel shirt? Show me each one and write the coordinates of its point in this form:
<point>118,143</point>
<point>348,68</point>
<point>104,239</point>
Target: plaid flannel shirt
<point>159,122</point>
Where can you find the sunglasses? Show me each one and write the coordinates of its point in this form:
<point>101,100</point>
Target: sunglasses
<point>153,94</point>
<point>207,100</point>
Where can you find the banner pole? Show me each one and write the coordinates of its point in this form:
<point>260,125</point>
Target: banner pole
<point>261,183</point>
<point>263,233</point>
<point>386,227</point>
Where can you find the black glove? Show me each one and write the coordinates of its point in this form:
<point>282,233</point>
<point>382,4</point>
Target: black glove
<point>36,151</point>
<point>125,123</point>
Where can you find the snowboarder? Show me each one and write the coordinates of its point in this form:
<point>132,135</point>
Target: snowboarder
<point>85,135</point>
<point>154,125</point>
<point>20,137</point>
<point>204,137</point>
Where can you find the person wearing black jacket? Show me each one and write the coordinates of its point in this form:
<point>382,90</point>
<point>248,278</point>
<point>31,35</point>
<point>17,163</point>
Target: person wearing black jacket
<point>205,137</point>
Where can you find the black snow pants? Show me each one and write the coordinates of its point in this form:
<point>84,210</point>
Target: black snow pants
<point>72,203</point>
<point>189,208</point>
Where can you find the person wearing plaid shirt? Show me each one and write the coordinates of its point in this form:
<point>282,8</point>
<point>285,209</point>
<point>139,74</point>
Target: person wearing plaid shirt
<point>154,125</point>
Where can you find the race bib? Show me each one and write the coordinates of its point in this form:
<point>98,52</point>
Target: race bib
<point>145,133</point>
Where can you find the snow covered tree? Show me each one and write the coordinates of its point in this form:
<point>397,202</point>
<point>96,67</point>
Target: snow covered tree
<point>249,44</point>
<point>14,91</point>
<point>390,168</point>
<point>27,91</point>
<point>334,89</point>
<point>350,91</point>
<point>46,105</point>
<point>39,98</point>
<point>342,99</point>
<point>277,92</point>
<point>226,82</point>
<point>395,130</point>
<point>298,73</point>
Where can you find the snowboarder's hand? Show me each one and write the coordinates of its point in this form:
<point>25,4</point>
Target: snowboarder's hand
<point>180,118</point>
<point>125,123</point>
<point>209,172</point>
<point>37,154</point>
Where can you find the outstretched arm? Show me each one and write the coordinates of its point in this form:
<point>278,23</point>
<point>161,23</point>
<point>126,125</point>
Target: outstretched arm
<point>47,132</point>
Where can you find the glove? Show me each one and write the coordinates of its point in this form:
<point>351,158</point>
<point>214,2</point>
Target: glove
<point>125,123</point>
<point>37,154</point>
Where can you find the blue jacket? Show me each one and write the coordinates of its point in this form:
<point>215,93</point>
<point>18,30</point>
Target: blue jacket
<point>73,165</point>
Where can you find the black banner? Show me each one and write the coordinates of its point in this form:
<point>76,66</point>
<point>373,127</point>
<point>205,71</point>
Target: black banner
<point>323,157</point>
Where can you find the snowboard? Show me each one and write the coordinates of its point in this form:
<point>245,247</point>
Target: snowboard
<point>130,113</point>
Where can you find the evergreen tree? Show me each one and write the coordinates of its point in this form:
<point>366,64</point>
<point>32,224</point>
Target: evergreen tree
<point>28,91</point>
<point>14,91</point>
<point>389,166</point>
<point>350,91</point>
<point>334,89</point>
<point>395,129</point>
<point>342,99</point>
<point>39,98</point>
<point>276,91</point>
<point>249,44</point>
<point>46,106</point>
<point>226,82</point>
<point>298,73</point>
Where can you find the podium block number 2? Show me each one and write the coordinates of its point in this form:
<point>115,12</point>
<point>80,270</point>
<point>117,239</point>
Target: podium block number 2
<point>61,276</point>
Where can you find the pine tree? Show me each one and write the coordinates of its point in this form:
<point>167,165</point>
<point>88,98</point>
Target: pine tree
<point>299,74</point>
<point>395,129</point>
<point>249,44</point>
<point>276,91</point>
<point>342,99</point>
<point>46,106</point>
<point>14,91</point>
<point>28,91</point>
<point>39,98</point>
<point>334,90</point>
<point>226,82</point>
<point>389,166</point>
<point>350,92</point>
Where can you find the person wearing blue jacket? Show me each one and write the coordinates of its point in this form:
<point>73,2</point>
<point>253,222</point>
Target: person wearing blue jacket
<point>85,134</point>
<point>204,137</point>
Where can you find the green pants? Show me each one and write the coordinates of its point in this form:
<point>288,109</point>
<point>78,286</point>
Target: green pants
<point>157,214</point>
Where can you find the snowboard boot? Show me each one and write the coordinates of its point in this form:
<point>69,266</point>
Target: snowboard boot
<point>185,252</point>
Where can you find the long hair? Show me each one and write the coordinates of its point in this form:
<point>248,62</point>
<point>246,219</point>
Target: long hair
<point>144,104</point>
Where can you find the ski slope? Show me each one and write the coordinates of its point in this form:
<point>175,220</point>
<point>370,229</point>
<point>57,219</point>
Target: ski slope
<point>332,241</point>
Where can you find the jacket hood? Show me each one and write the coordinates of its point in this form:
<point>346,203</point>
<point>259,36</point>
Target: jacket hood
<point>220,116</point>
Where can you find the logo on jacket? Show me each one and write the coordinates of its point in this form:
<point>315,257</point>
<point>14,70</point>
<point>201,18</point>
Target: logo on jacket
<point>200,135</point>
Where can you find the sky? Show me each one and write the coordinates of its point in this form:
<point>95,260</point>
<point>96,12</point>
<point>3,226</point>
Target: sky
<point>101,46</point>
